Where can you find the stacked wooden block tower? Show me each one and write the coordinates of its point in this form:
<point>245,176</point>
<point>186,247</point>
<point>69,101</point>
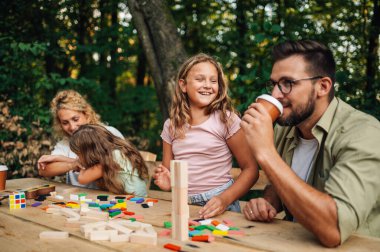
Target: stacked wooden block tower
<point>180,208</point>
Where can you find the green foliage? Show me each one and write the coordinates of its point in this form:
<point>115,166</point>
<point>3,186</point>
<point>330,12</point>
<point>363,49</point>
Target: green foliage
<point>92,47</point>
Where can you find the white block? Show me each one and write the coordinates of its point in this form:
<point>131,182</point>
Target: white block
<point>205,222</point>
<point>74,197</point>
<point>223,227</point>
<point>103,235</point>
<point>142,237</point>
<point>54,235</point>
<point>120,238</point>
<point>119,228</point>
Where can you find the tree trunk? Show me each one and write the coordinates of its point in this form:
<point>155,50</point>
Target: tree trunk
<point>372,56</point>
<point>162,46</point>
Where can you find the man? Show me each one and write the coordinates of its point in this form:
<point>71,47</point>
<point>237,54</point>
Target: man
<point>323,161</point>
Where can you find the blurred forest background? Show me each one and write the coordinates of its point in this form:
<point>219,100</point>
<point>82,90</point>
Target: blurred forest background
<point>123,56</point>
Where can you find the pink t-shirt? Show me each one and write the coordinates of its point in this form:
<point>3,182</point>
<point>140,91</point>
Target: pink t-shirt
<point>206,151</point>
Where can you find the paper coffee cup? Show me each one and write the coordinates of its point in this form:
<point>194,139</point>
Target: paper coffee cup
<point>271,104</point>
<point>3,176</point>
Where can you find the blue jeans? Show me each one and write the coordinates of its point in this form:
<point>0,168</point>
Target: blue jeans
<point>202,198</point>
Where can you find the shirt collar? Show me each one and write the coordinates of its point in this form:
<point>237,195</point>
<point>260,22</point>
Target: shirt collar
<point>323,124</point>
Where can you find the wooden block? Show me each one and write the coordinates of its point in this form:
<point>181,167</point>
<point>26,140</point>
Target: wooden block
<point>179,174</point>
<point>120,228</point>
<point>53,235</point>
<point>53,210</point>
<point>103,235</point>
<point>96,214</point>
<point>142,237</point>
<point>222,227</point>
<point>72,216</point>
<point>120,238</point>
<point>228,222</point>
<point>74,224</point>
<point>180,209</point>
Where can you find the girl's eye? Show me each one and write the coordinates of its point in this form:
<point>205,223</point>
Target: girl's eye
<point>64,123</point>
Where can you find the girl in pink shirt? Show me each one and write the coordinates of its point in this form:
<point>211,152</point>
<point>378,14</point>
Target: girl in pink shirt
<point>204,130</point>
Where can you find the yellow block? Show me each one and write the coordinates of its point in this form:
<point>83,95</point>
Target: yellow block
<point>219,232</point>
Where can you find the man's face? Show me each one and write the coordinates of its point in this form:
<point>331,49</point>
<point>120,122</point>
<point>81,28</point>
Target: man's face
<point>299,104</point>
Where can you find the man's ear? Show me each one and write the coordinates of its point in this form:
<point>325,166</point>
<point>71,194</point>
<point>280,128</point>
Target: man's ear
<point>182,85</point>
<point>324,87</point>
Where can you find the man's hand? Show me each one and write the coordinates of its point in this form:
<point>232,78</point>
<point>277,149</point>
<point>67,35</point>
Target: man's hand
<point>214,206</point>
<point>162,177</point>
<point>259,210</point>
<point>258,128</point>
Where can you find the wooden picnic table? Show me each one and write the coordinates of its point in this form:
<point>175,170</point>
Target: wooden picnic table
<point>19,229</point>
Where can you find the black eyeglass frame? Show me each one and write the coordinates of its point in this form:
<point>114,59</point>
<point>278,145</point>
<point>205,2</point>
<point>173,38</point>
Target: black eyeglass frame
<point>270,85</point>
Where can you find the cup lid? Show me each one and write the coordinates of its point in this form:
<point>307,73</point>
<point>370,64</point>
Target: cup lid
<point>272,100</point>
<point>3,168</point>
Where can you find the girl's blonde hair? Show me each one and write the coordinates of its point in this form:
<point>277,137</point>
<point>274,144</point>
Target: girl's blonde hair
<point>180,108</point>
<point>95,145</point>
<point>72,100</point>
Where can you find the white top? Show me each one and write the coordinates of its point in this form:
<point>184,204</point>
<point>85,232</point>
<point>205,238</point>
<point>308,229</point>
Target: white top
<point>133,184</point>
<point>206,151</point>
<point>303,157</point>
<point>62,148</point>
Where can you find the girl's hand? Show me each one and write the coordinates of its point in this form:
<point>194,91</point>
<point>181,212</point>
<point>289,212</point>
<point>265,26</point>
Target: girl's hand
<point>76,166</point>
<point>214,206</point>
<point>162,177</point>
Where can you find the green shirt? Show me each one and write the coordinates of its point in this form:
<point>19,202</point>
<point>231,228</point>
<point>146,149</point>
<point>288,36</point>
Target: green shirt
<point>133,184</point>
<point>346,165</point>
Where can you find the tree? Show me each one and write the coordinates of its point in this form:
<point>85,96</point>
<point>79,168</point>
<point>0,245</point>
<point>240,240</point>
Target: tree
<point>162,46</point>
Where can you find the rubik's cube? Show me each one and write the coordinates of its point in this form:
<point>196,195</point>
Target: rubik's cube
<point>17,201</point>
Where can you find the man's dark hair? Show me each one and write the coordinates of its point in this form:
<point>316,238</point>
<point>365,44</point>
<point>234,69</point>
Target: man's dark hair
<point>319,57</point>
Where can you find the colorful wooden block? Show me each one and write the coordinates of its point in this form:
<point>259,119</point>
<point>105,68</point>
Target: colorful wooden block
<point>17,201</point>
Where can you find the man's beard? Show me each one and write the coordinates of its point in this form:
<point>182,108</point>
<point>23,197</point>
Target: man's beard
<point>300,114</point>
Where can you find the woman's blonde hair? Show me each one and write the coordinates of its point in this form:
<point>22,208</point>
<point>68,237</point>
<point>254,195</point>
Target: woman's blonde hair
<point>180,108</point>
<point>72,100</point>
<point>95,145</point>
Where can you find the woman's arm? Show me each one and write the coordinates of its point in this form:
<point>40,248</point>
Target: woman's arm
<point>54,165</point>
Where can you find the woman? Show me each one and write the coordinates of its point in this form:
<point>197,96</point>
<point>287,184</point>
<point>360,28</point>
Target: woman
<point>70,110</point>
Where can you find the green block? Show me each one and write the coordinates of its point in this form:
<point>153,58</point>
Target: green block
<point>132,219</point>
<point>82,194</point>
<point>211,227</point>
<point>120,201</point>
<point>167,224</point>
<point>201,227</point>
<point>234,228</point>
<point>113,214</point>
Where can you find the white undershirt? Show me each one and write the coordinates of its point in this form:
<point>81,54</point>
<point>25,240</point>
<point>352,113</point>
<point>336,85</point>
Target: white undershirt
<point>303,157</point>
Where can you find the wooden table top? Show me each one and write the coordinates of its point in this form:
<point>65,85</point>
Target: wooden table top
<point>19,229</point>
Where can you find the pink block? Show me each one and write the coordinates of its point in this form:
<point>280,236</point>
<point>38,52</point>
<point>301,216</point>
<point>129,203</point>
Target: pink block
<point>194,223</point>
<point>165,232</point>
<point>236,232</point>
<point>228,222</point>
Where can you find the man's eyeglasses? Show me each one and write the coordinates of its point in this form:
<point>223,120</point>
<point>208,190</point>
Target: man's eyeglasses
<point>286,85</point>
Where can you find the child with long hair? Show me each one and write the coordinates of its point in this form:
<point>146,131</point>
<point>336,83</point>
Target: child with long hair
<point>70,110</point>
<point>204,130</point>
<point>114,163</point>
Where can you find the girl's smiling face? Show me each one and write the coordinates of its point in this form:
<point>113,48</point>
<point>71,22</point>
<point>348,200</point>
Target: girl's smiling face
<point>201,85</point>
